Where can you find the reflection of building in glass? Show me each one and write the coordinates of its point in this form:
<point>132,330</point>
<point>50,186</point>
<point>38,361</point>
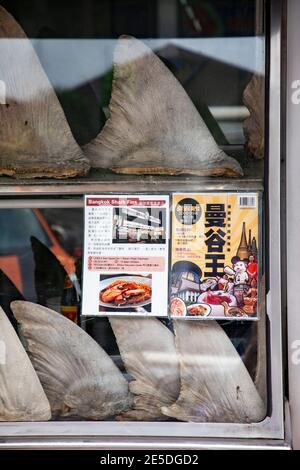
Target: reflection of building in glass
<point>186,280</point>
<point>138,225</point>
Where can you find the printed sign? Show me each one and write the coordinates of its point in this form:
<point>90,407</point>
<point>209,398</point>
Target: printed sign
<point>215,256</point>
<point>126,255</point>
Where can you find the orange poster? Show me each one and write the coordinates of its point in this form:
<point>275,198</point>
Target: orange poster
<point>215,255</point>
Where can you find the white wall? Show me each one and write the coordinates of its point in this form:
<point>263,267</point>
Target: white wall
<point>293,214</point>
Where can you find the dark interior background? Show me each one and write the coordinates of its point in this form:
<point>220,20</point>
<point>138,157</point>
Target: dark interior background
<point>208,81</point>
<point>140,18</point>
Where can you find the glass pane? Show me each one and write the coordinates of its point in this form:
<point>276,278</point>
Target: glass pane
<point>201,103</point>
<point>215,50</point>
<point>37,276</point>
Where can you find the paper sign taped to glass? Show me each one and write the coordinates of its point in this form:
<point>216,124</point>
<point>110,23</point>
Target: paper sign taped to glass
<point>215,256</point>
<point>126,255</point>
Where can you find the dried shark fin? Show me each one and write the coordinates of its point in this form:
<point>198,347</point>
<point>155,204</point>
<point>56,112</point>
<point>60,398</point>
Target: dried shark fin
<point>35,138</point>
<point>148,351</point>
<point>79,378</point>
<point>154,128</point>
<point>215,384</point>
<point>22,397</point>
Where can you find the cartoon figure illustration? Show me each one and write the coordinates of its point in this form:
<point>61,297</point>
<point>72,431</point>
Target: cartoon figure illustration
<point>239,272</point>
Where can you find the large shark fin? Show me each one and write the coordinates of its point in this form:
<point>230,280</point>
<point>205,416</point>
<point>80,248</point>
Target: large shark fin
<point>153,126</point>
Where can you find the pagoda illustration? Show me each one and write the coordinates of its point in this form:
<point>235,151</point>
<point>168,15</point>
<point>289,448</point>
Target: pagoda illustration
<point>254,249</point>
<point>247,248</point>
<point>250,241</point>
<point>243,250</point>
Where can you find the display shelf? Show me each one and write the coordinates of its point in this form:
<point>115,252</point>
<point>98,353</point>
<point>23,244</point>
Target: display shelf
<point>107,181</point>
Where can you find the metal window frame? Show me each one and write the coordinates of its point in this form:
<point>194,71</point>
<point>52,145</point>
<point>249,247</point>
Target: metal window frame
<point>292,217</point>
<point>164,434</point>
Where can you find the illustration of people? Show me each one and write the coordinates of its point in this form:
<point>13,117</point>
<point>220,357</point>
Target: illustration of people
<point>222,282</point>
<point>252,291</point>
<point>252,269</point>
<point>250,299</point>
<point>226,284</point>
<point>208,284</point>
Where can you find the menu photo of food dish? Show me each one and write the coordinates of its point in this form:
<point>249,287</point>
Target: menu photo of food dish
<point>125,291</point>
<point>126,254</point>
<point>215,256</point>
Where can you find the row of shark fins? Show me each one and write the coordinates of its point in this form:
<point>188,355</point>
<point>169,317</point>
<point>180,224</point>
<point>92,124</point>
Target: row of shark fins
<point>153,127</point>
<point>54,369</point>
<point>194,375</point>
